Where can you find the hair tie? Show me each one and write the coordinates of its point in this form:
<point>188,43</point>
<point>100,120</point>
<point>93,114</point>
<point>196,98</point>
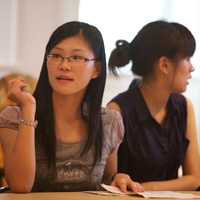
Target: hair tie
<point>122,43</point>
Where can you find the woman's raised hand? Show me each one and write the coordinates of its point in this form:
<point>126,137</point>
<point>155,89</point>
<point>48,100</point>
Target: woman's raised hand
<point>17,94</point>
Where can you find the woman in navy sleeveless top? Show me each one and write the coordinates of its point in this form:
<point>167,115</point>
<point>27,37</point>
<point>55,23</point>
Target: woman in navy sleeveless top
<point>160,131</point>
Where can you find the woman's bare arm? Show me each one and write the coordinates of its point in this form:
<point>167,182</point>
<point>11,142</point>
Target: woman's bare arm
<point>19,146</point>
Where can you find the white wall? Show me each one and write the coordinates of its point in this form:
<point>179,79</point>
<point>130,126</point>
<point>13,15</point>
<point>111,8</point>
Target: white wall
<point>26,26</point>
<point>29,24</point>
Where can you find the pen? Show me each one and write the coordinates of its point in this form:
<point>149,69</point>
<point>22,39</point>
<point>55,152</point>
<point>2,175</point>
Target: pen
<point>22,87</point>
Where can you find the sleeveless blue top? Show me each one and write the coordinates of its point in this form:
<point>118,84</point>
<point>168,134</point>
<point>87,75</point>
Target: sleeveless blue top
<point>148,151</point>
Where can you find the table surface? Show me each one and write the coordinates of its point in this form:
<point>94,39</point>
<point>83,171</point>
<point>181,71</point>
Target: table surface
<point>72,196</point>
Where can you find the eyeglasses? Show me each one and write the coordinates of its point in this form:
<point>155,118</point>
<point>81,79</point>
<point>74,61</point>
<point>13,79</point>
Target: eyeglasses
<point>72,60</point>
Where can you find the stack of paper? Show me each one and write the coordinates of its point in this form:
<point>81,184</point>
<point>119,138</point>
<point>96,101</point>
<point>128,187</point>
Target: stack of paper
<point>151,194</point>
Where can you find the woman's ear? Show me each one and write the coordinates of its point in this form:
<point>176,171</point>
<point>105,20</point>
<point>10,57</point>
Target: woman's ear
<point>97,69</point>
<point>164,65</point>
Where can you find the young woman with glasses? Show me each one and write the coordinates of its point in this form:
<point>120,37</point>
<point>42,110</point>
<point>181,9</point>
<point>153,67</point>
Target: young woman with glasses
<point>160,131</point>
<point>73,144</point>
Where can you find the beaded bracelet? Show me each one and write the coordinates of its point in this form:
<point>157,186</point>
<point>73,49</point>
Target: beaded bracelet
<point>29,122</point>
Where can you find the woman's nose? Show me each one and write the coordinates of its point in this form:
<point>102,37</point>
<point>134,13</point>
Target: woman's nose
<point>192,68</point>
<point>64,65</point>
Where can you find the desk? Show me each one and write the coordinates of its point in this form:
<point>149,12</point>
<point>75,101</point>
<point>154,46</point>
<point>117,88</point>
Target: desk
<point>71,196</point>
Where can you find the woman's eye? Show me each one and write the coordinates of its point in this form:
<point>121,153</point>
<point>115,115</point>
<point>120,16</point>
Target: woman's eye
<point>56,56</point>
<point>77,57</point>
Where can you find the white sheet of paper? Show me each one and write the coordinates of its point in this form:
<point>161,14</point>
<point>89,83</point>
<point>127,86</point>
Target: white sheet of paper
<point>104,193</point>
<point>152,194</point>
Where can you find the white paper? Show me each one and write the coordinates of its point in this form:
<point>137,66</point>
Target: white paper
<point>152,194</point>
<point>104,193</point>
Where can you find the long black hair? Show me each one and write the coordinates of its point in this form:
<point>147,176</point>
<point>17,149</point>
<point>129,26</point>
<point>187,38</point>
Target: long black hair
<point>45,132</point>
<point>154,40</point>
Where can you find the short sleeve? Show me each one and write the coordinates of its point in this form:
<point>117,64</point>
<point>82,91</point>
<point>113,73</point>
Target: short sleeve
<point>118,132</point>
<point>9,117</point>
<point>113,129</point>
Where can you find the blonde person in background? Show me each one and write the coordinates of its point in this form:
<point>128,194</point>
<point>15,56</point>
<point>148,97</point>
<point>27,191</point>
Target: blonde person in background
<point>160,130</point>
<point>73,144</point>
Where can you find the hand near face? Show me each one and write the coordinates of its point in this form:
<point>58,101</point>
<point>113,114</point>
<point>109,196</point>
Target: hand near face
<point>17,94</point>
<point>125,183</point>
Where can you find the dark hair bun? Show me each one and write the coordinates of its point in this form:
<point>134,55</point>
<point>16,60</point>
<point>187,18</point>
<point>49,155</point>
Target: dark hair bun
<point>121,55</point>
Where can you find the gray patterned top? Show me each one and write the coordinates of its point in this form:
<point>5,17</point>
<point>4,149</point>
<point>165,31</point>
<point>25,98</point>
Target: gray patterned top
<point>73,171</point>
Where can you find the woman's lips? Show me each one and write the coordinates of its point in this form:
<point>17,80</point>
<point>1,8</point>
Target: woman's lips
<point>64,78</point>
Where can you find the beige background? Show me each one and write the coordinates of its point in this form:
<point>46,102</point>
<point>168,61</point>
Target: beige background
<point>25,27</point>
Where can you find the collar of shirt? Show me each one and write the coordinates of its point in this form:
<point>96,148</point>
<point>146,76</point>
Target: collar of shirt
<point>142,110</point>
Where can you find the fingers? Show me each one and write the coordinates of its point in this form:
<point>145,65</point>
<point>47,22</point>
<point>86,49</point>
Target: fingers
<point>125,183</point>
<point>17,94</point>
<point>120,184</point>
<point>15,87</point>
<point>15,82</point>
<point>123,188</point>
<point>130,185</point>
<point>136,187</point>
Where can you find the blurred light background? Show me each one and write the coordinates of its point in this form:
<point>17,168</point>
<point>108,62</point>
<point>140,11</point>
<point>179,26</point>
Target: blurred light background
<point>25,27</point>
